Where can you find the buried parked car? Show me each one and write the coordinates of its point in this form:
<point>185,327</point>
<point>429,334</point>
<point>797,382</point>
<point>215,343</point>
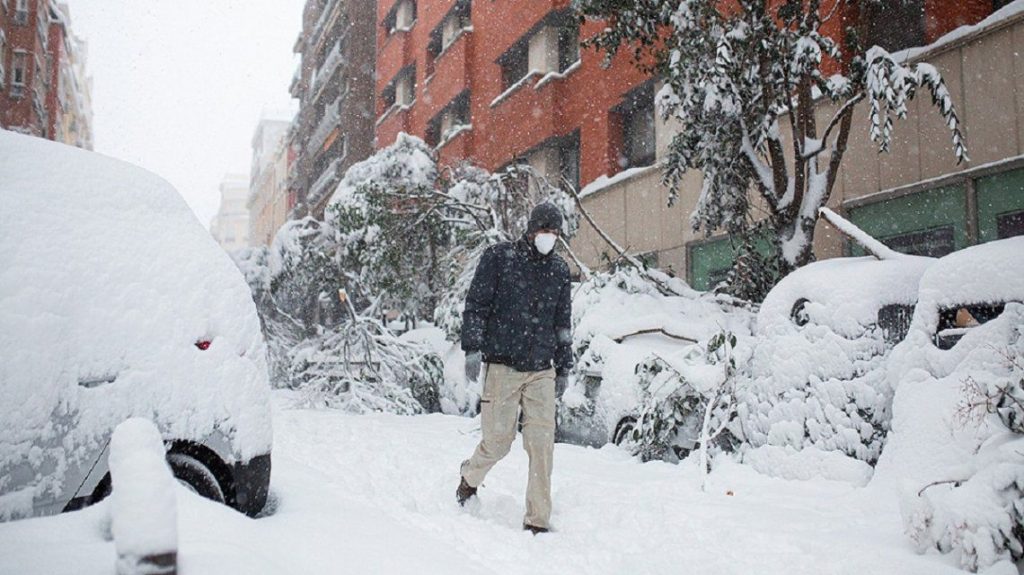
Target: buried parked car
<point>116,303</point>
<point>629,334</point>
<point>956,449</point>
<point>816,378</point>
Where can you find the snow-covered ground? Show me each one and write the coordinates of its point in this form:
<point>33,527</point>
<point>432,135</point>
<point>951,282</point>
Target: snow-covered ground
<point>375,494</point>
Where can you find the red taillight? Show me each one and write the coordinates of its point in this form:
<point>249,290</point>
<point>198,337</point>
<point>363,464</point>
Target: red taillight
<point>203,345</point>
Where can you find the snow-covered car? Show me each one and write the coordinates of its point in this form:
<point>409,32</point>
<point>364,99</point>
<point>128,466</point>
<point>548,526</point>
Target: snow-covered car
<point>116,303</point>
<point>625,325</point>
<point>956,449</point>
<point>823,333</point>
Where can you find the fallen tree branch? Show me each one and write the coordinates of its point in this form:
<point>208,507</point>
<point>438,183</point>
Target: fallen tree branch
<point>623,254</point>
<point>850,230</point>
<point>660,330</point>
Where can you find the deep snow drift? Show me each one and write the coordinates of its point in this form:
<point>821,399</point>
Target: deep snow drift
<point>375,494</point>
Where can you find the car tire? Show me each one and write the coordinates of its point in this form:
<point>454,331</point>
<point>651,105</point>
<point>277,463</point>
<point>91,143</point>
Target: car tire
<point>624,430</point>
<point>194,475</point>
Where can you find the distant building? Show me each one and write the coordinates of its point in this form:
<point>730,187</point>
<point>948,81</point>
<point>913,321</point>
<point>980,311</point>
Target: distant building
<point>272,157</point>
<point>230,227</point>
<point>44,90</point>
<point>334,86</point>
<point>69,103</point>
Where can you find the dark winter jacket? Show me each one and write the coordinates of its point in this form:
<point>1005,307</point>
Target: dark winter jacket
<point>519,309</point>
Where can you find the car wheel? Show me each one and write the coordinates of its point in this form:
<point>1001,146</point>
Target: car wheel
<point>191,473</point>
<point>624,430</point>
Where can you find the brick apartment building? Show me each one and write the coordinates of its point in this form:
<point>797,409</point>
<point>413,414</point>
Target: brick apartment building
<point>501,82</point>
<point>334,86</point>
<point>44,90</point>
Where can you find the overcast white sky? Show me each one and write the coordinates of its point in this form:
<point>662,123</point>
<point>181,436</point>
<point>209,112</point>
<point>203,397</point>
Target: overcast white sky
<point>179,85</point>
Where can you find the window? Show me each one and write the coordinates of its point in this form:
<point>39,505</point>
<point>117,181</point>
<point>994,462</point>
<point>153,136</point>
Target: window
<point>457,20</point>
<point>514,64</point>
<point>569,161</point>
<point>1010,224</point>
<point>447,32</point>
<point>638,137</point>
<point>894,319</point>
<point>401,17</point>
<point>402,90</point>
<point>894,25</point>
<point>453,117</point>
<point>568,44</point>
<point>19,70</point>
<point>21,12</point>
<point>935,242</point>
<point>3,72</point>
<point>956,321</point>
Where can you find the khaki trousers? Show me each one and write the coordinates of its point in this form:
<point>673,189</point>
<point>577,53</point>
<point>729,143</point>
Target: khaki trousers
<point>505,391</point>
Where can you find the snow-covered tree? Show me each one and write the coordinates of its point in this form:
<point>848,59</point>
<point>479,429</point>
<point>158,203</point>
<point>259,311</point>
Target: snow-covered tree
<point>409,233</point>
<point>735,73</point>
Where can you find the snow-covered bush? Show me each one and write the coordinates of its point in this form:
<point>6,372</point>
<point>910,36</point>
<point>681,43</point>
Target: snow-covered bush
<point>980,516</point>
<point>687,407</point>
<point>817,375</point>
<point>362,367</point>
<point>304,274</point>
<point>409,234</point>
<point>401,235</point>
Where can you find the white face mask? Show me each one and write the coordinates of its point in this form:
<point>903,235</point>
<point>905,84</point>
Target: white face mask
<point>545,242</point>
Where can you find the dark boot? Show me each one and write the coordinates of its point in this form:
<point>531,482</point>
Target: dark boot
<point>464,492</point>
<point>536,530</point>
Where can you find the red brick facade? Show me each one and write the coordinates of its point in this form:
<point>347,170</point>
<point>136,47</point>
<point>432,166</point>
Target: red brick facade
<point>23,92</point>
<point>581,102</point>
<point>43,88</point>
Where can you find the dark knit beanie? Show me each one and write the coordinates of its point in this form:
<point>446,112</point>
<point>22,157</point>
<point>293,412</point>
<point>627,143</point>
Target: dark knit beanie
<point>545,216</point>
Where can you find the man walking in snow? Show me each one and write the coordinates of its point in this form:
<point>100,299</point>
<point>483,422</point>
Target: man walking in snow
<point>518,319</point>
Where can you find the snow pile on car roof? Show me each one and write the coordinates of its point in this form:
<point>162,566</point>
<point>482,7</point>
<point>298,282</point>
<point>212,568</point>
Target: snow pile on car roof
<point>107,282</point>
<point>843,293</point>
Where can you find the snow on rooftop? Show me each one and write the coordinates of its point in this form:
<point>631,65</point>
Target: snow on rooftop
<point>604,181</point>
<point>1006,12</point>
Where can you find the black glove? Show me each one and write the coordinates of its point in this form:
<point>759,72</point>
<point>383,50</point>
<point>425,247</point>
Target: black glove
<point>473,360</point>
<point>561,381</point>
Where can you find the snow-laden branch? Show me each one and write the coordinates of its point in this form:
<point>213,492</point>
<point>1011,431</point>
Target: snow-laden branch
<point>850,230</point>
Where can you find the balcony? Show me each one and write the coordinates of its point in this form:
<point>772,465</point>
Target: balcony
<point>330,120</point>
<point>331,62</point>
<point>294,87</point>
<point>324,17</point>
<point>318,190</point>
